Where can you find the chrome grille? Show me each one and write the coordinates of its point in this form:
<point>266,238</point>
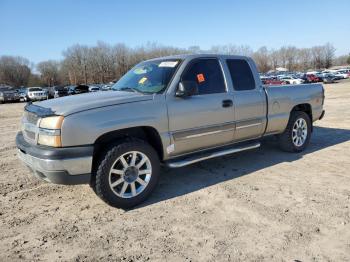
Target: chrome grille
<point>30,127</point>
<point>30,135</point>
<point>31,117</point>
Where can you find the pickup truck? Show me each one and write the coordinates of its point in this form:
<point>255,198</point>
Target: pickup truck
<point>171,111</point>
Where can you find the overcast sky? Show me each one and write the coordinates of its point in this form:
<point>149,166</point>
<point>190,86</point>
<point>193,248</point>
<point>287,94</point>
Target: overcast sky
<point>41,30</point>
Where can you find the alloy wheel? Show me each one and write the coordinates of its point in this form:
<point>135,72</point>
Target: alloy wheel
<point>299,132</point>
<point>130,174</point>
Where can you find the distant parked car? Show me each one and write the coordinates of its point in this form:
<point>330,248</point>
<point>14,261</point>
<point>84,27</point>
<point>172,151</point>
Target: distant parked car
<point>272,81</point>
<point>292,80</point>
<point>78,89</point>
<point>106,87</point>
<point>36,94</point>
<point>345,70</point>
<point>310,78</point>
<point>22,94</point>
<point>320,77</point>
<point>57,91</point>
<point>329,78</point>
<point>341,75</point>
<point>93,88</point>
<point>8,94</point>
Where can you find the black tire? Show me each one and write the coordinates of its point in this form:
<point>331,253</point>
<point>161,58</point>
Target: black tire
<point>286,140</point>
<point>102,185</point>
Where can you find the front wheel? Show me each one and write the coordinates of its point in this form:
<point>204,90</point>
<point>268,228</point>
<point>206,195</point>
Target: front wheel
<point>297,135</point>
<point>128,174</point>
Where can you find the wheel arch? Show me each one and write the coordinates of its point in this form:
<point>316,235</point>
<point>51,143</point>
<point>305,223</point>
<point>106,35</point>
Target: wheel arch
<point>146,133</point>
<point>306,108</point>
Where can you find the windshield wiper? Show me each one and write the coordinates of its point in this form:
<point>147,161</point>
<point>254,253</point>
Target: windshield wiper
<point>126,88</point>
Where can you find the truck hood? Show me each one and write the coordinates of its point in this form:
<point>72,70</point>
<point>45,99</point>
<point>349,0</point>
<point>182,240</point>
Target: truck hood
<point>72,104</point>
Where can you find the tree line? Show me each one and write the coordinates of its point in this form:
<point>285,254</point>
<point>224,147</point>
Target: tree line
<point>104,63</point>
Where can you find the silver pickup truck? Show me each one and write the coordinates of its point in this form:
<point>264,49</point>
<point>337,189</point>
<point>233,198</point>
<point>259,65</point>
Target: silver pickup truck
<point>171,111</point>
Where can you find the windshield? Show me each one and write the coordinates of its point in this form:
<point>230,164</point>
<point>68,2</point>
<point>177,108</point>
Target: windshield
<point>148,77</point>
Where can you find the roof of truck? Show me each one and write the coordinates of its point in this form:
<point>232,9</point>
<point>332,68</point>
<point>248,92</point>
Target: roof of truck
<point>191,56</point>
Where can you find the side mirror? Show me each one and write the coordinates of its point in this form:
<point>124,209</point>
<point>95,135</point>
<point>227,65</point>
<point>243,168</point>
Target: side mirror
<point>187,88</point>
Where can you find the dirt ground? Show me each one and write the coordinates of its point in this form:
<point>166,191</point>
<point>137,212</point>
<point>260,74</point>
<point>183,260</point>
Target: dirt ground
<point>261,205</point>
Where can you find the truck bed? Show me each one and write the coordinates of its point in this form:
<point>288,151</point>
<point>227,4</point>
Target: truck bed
<point>282,99</point>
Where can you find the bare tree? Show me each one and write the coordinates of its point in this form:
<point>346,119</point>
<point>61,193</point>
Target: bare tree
<point>317,57</point>
<point>274,59</point>
<point>231,49</point>
<point>103,63</point>
<point>76,59</point>
<point>49,71</point>
<point>261,57</point>
<point>304,59</point>
<point>291,56</point>
<point>195,49</point>
<point>123,60</point>
<point>14,71</point>
<point>329,53</point>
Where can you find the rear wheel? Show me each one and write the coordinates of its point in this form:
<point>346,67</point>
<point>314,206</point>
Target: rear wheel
<point>128,174</point>
<point>297,135</point>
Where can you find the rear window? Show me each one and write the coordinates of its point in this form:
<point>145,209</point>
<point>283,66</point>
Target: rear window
<point>241,74</point>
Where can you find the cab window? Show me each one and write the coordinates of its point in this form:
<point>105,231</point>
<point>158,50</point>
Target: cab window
<point>207,75</point>
<point>241,74</point>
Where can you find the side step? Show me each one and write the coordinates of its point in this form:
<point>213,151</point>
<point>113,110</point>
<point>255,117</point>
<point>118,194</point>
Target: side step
<point>209,154</point>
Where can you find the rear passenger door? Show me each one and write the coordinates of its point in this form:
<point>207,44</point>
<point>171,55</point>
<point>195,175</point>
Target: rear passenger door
<point>206,118</point>
<point>249,100</point>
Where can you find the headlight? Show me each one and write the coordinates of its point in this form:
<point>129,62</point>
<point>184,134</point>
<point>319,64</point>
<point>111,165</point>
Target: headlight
<point>50,131</point>
<point>51,122</point>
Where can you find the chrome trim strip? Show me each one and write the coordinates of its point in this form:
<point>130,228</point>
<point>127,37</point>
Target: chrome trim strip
<point>205,134</point>
<point>202,131</point>
<point>74,166</point>
<point>240,127</point>
<point>189,161</point>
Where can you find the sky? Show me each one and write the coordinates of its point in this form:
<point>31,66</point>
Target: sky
<point>41,29</point>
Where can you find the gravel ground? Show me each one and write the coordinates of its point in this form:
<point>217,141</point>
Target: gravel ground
<point>261,205</point>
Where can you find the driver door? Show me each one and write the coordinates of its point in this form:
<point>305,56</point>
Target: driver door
<point>205,119</point>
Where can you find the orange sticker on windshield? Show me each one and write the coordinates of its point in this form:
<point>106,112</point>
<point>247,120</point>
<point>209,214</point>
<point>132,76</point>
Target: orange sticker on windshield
<point>200,78</point>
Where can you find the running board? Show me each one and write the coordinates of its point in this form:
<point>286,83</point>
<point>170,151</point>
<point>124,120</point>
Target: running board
<point>208,155</point>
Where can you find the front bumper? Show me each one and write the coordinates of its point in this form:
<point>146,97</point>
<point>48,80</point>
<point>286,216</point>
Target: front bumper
<point>37,98</point>
<point>69,166</point>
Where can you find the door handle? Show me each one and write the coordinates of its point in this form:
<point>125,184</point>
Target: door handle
<point>227,103</point>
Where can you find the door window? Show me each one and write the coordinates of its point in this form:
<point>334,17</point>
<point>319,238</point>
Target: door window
<point>207,75</point>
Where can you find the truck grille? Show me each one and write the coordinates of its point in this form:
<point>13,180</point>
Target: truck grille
<point>29,127</point>
<point>31,117</point>
<point>30,135</point>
